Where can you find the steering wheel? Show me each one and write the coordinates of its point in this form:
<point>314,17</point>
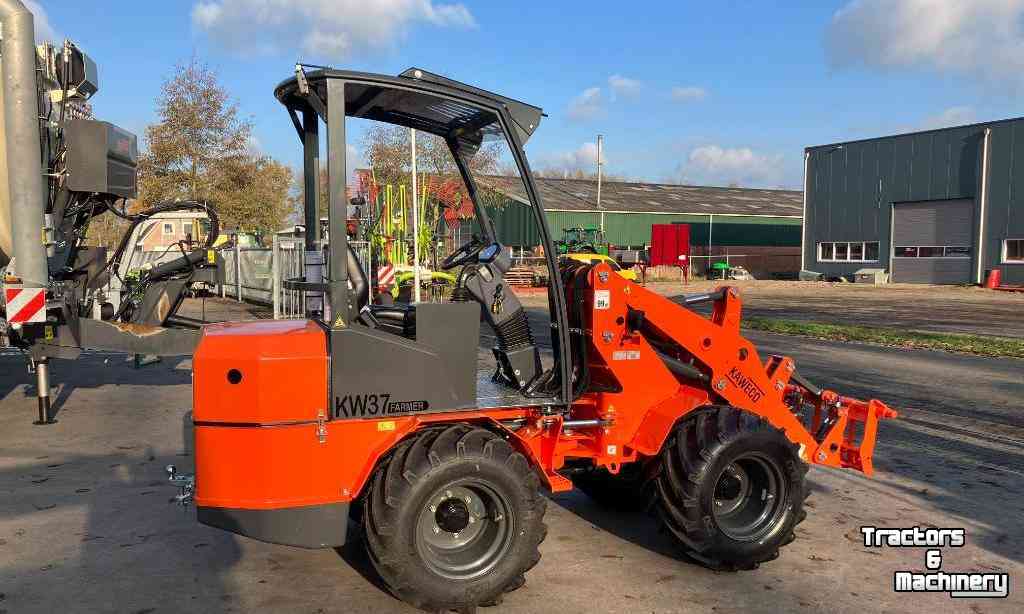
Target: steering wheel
<point>464,254</point>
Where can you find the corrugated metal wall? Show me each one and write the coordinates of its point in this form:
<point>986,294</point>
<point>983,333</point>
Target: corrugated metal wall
<point>635,228</point>
<point>850,190</point>
<point>516,226</point>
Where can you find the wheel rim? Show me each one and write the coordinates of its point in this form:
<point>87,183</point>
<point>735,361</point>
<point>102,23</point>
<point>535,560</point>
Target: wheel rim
<point>464,529</point>
<point>749,497</point>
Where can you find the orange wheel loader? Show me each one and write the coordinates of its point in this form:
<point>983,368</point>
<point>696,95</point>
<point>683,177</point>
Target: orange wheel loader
<point>386,422</point>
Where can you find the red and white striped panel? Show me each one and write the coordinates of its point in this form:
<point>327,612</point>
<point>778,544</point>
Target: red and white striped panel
<point>385,276</point>
<point>25,305</point>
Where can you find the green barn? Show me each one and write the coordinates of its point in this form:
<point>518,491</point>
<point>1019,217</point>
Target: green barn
<point>757,228</point>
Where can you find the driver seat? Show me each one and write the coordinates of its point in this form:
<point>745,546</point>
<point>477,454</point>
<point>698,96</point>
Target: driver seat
<point>399,319</point>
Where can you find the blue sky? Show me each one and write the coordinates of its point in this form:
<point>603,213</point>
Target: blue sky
<point>699,92</point>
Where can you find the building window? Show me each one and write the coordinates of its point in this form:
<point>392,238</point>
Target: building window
<point>1013,250</point>
<point>855,251</point>
<point>168,229</point>
<point>932,251</point>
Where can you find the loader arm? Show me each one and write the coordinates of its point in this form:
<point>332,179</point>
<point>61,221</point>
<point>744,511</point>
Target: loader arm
<point>648,350</point>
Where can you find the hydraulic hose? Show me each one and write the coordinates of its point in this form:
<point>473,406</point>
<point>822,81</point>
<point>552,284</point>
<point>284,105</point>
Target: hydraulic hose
<point>186,261</point>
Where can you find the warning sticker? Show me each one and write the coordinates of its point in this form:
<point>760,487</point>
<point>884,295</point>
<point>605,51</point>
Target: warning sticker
<point>602,299</point>
<point>626,355</point>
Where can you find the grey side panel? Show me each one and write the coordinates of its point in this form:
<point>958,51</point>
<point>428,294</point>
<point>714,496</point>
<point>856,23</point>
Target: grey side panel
<point>374,373</point>
<point>313,526</point>
<point>447,327</point>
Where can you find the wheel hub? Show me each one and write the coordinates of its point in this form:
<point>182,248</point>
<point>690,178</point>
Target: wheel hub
<point>731,490</point>
<point>452,515</point>
<point>463,529</point>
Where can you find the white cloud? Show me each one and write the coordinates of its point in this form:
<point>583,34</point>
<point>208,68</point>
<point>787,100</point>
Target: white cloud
<point>623,86</point>
<point>333,29</point>
<point>975,38</point>
<point>688,94</point>
<point>953,116</point>
<point>587,105</point>
<point>717,165</point>
<point>583,158</point>
<point>44,30</point>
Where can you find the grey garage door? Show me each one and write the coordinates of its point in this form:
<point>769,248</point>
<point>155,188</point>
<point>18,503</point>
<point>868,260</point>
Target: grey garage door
<point>932,241</point>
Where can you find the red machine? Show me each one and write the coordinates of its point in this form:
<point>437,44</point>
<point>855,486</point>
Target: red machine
<point>375,415</point>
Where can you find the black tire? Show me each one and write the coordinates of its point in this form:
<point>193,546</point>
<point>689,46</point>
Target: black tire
<point>623,491</point>
<point>730,488</point>
<point>453,519</point>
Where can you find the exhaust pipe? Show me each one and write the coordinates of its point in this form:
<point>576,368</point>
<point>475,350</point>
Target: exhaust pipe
<point>21,123</point>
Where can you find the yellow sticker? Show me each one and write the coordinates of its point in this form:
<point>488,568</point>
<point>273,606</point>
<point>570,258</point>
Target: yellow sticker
<point>339,322</point>
<point>48,333</point>
<point>211,256</point>
<point>387,425</point>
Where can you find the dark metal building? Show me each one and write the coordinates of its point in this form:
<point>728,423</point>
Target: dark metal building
<point>940,206</point>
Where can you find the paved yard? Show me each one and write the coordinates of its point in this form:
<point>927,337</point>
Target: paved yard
<point>84,519</point>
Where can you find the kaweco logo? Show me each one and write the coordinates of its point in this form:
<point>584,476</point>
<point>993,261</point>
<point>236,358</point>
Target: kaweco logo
<point>745,384</point>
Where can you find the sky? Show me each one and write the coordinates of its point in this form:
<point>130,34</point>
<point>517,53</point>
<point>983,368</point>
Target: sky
<point>705,93</point>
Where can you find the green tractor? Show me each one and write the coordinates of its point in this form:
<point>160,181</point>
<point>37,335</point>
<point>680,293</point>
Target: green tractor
<point>580,240</point>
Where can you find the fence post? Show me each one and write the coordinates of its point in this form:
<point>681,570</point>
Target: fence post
<point>238,270</point>
<point>275,276</point>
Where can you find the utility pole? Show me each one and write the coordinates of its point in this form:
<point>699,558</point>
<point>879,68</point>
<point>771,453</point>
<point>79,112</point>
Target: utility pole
<point>415,224</point>
<point>600,146</point>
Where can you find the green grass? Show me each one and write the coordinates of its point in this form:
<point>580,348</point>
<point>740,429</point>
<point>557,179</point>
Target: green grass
<point>965,344</point>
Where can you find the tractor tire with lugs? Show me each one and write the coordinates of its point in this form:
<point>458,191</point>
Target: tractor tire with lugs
<point>453,519</point>
<point>730,487</point>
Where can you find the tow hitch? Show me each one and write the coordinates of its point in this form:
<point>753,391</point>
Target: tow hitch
<point>186,484</point>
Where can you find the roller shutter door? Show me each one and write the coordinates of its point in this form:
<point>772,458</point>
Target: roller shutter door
<point>932,242</point>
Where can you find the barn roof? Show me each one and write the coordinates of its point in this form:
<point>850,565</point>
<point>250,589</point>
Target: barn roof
<point>581,195</point>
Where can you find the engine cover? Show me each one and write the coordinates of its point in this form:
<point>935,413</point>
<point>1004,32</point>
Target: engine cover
<point>254,373</point>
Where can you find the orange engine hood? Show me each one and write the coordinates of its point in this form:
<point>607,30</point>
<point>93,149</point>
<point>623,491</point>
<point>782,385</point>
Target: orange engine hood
<point>264,372</point>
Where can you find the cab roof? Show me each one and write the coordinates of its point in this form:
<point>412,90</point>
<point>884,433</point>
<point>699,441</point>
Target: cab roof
<point>416,98</point>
